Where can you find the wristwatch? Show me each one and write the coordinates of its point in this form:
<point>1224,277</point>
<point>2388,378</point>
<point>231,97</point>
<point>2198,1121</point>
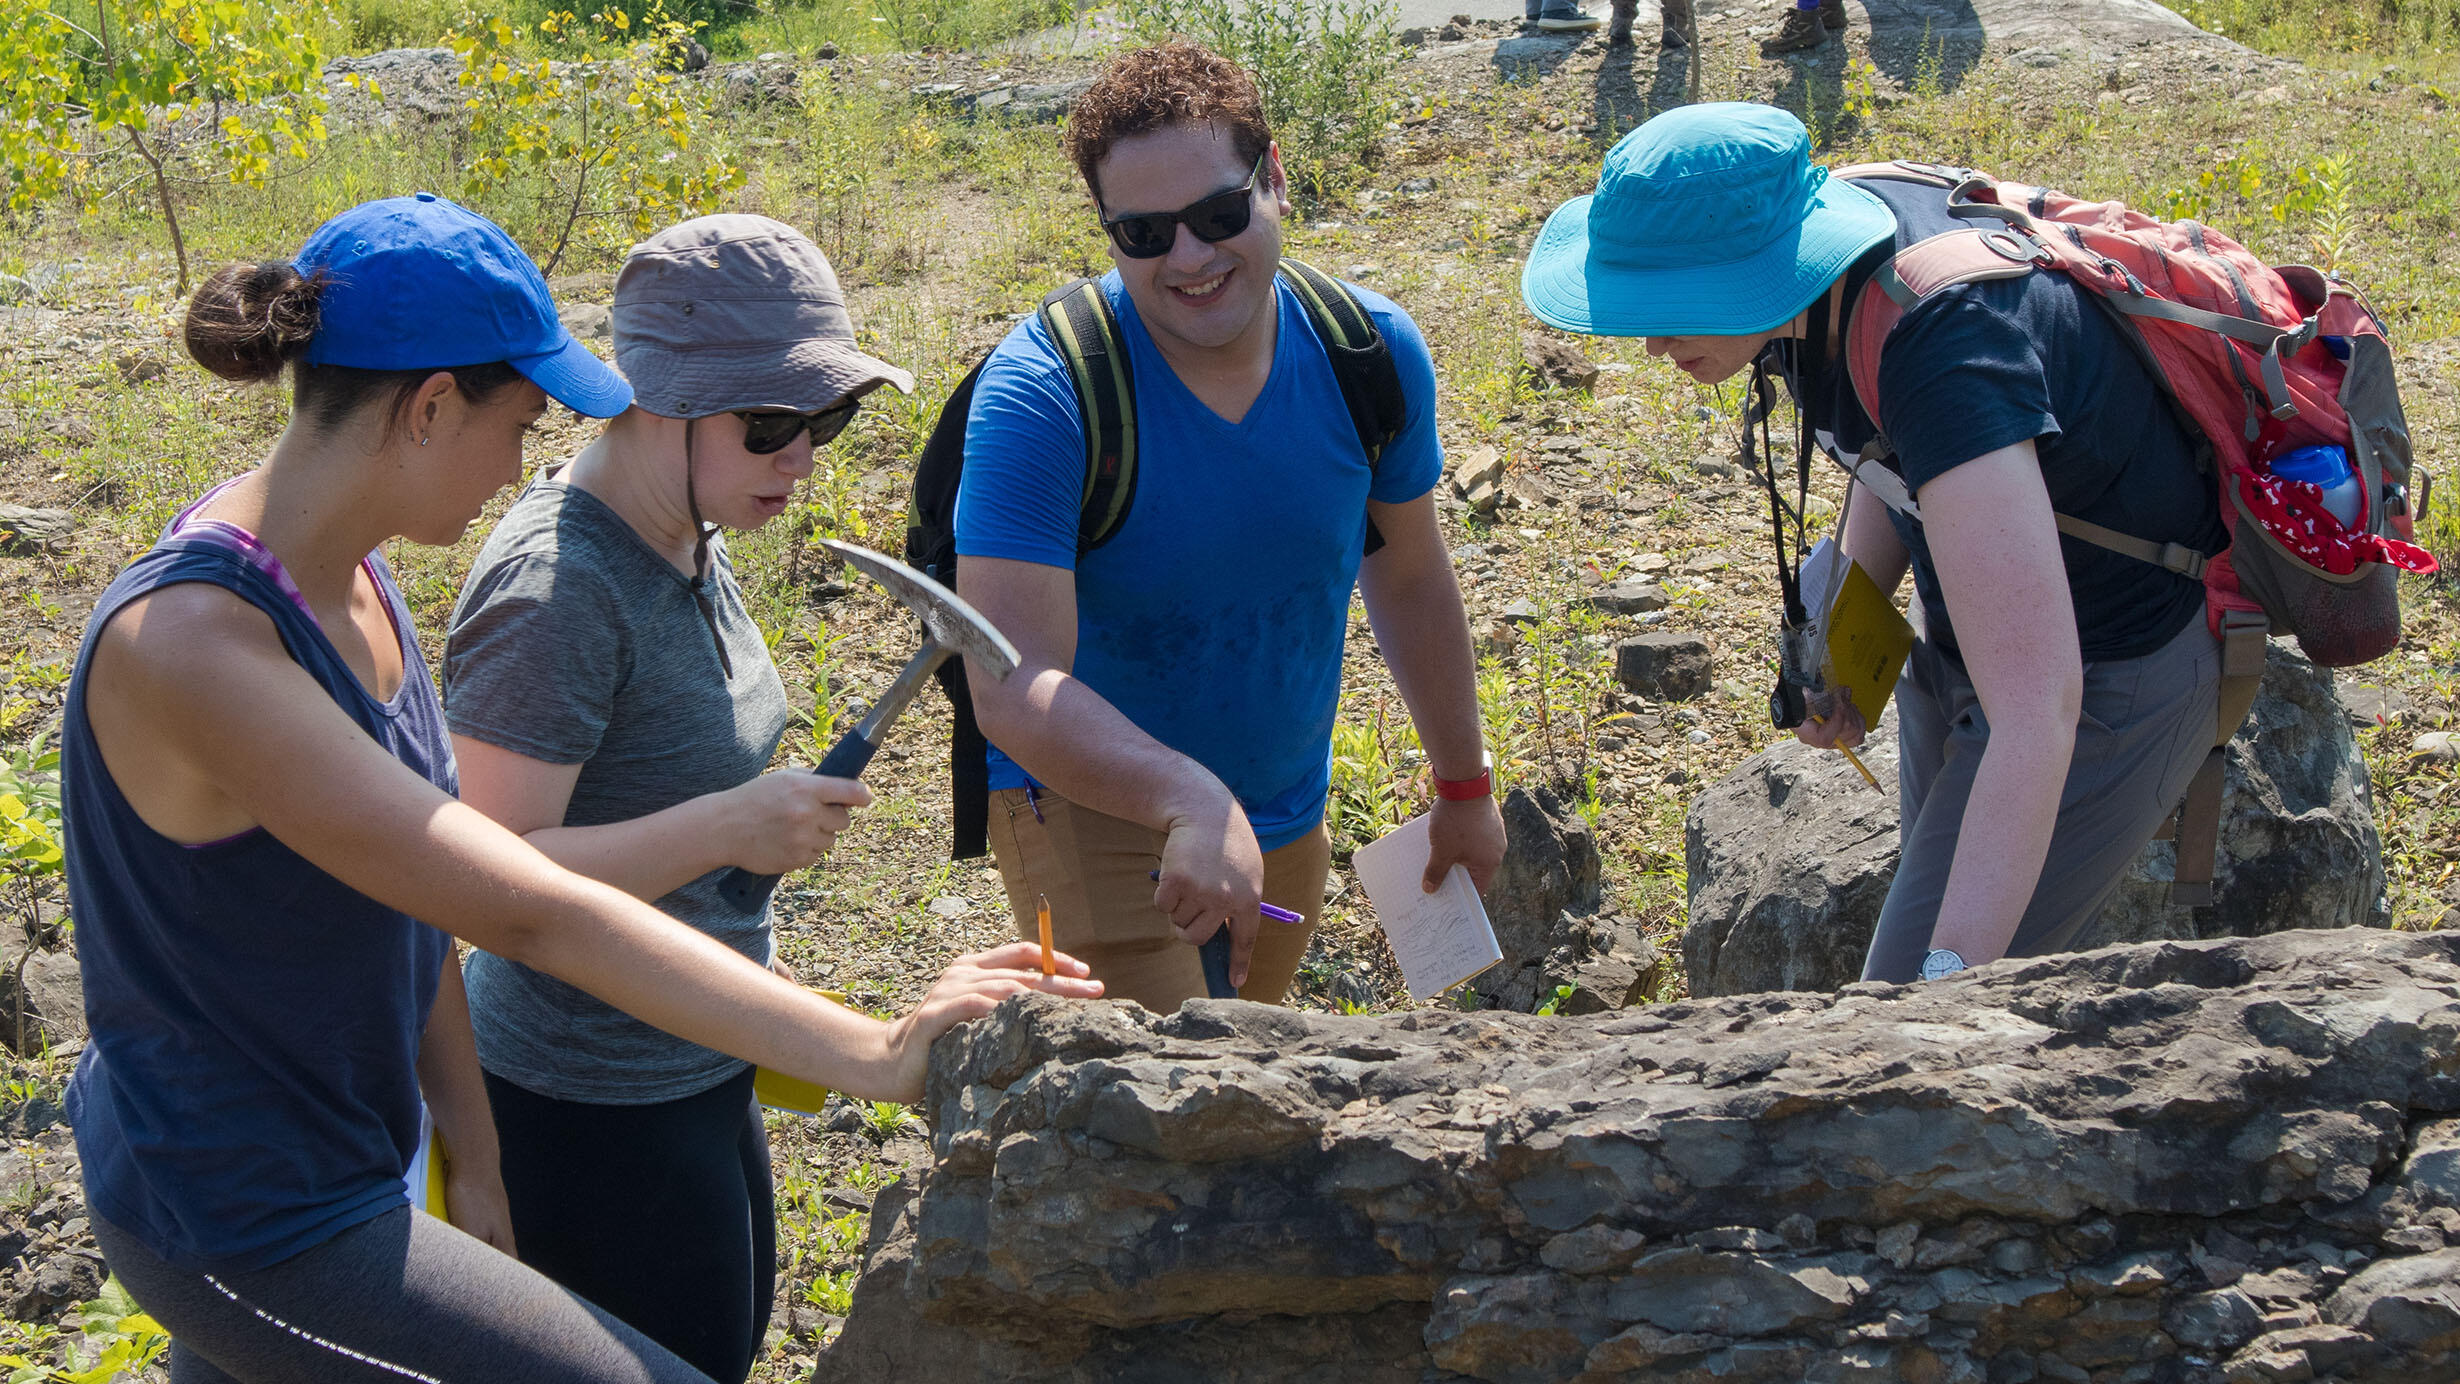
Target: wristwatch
<point>1465,790</point>
<point>1942,963</point>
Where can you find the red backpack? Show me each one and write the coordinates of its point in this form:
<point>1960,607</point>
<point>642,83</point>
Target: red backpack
<point>2257,361</point>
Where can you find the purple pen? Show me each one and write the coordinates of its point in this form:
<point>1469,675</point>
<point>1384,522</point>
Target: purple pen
<point>1278,915</point>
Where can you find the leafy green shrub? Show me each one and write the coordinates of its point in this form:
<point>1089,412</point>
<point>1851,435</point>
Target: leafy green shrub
<point>1369,794</point>
<point>1325,68</point>
<point>609,125</point>
<point>236,82</point>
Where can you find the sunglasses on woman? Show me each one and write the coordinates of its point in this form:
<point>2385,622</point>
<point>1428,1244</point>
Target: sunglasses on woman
<point>1150,234</point>
<point>767,432</point>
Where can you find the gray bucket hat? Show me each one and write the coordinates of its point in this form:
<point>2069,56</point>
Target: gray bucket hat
<point>723,313</point>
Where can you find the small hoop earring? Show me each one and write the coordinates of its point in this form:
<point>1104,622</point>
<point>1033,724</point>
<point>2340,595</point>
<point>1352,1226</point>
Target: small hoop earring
<point>422,442</point>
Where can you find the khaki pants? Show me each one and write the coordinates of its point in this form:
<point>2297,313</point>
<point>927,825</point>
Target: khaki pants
<point>1094,870</point>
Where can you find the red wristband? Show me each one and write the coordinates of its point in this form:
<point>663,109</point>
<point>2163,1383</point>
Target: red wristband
<point>1465,790</point>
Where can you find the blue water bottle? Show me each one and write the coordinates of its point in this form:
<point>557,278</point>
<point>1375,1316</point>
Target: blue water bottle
<point>2326,467</point>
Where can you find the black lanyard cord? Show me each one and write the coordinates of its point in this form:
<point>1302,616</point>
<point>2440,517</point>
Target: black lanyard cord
<point>1759,453</point>
<point>1804,367</point>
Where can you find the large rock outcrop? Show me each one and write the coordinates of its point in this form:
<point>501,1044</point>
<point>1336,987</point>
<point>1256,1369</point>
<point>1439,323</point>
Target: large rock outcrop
<point>2184,1162</point>
<point>1790,856</point>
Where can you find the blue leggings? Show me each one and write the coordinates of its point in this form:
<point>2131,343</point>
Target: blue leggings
<point>401,1299</point>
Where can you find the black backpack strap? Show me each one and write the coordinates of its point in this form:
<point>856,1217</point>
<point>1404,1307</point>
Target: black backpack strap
<point>931,511</point>
<point>931,547</point>
<point>1086,331</point>
<point>1361,362</point>
<point>969,769</point>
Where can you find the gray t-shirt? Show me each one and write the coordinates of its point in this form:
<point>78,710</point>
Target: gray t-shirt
<point>576,643</point>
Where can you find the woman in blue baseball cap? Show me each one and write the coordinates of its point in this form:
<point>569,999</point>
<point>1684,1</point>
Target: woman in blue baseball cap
<point>2062,694</point>
<point>263,844</point>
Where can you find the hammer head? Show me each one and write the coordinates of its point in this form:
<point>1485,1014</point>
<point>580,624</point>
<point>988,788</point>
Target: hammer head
<point>951,623</point>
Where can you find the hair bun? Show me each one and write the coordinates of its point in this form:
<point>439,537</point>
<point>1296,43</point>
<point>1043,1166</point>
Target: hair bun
<point>249,320</point>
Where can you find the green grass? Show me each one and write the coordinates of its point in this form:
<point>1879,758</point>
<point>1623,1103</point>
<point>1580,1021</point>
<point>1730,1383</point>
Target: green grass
<point>731,28</point>
<point>2421,34</point>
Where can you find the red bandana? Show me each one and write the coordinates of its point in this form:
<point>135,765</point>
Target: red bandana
<point>2293,513</point>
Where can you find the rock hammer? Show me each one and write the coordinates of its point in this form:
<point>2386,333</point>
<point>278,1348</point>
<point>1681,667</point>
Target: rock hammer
<point>950,627</point>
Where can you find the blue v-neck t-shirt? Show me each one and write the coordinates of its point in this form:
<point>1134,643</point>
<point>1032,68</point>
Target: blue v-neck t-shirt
<point>1214,618</point>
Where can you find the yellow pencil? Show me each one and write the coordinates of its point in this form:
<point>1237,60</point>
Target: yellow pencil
<point>1852,758</point>
<point>1042,916</point>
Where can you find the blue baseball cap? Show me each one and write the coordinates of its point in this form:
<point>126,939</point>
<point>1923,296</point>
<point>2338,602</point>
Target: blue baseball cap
<point>419,283</point>
<point>1709,220</point>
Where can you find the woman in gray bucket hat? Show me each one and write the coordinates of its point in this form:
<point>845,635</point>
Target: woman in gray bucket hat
<point>610,698</point>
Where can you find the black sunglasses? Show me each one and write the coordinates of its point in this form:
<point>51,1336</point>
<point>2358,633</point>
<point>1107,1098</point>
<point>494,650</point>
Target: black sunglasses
<point>764,432</point>
<point>1150,234</point>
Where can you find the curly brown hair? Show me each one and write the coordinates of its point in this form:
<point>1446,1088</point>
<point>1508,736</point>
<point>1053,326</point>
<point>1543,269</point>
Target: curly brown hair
<point>1172,83</point>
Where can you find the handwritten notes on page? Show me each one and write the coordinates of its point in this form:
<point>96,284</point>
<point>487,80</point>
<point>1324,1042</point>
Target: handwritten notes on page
<point>1441,939</point>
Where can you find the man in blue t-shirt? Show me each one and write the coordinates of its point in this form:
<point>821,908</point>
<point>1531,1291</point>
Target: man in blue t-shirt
<point>1174,707</point>
<point>2062,695</point>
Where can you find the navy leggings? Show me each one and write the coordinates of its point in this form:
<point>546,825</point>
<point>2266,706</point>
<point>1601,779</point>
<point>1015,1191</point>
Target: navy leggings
<point>661,1214</point>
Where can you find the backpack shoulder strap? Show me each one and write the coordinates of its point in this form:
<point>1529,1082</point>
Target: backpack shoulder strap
<point>931,508</point>
<point>1903,171</point>
<point>1082,326</point>
<point>1361,358</point>
<point>1963,256</point>
<point>1361,363</point>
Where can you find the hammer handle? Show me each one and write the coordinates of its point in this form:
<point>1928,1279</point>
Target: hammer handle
<point>846,759</point>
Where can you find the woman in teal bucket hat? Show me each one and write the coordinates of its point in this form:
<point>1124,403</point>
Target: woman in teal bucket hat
<point>265,857</point>
<point>2061,696</point>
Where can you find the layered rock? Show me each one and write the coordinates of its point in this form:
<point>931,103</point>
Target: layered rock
<point>1789,856</point>
<point>2188,1162</point>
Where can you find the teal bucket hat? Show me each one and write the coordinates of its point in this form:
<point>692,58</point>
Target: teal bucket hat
<point>1709,220</point>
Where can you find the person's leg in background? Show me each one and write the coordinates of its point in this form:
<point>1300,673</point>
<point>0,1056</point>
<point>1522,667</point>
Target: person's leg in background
<point>1806,26</point>
<point>1559,16</point>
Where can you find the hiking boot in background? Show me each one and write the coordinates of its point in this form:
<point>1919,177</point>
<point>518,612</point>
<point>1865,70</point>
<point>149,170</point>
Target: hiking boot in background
<point>1618,25</point>
<point>1832,15</point>
<point>1802,31</point>
<point>1676,31</point>
<point>1566,16</point>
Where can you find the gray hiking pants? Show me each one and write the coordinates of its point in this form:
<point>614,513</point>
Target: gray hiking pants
<point>2145,728</point>
<point>400,1299</point>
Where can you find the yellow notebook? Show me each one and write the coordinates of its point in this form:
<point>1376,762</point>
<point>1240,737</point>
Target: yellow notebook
<point>1867,641</point>
<point>793,1095</point>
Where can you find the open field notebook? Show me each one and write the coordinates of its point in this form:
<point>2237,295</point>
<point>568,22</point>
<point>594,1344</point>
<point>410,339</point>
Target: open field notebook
<point>1441,939</point>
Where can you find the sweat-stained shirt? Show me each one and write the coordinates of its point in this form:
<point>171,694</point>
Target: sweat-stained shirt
<point>1214,618</point>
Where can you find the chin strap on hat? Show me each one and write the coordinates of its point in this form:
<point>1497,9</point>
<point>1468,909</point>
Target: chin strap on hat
<point>700,557</point>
